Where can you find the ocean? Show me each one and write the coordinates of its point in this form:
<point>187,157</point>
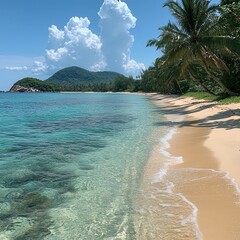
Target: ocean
<point>72,167</point>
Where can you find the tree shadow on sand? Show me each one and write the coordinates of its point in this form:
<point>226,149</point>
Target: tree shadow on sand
<point>218,120</point>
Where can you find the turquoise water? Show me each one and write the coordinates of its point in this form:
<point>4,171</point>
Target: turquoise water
<point>71,164</point>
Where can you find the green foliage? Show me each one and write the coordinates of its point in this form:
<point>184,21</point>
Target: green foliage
<point>229,25</point>
<point>155,79</point>
<point>229,20</point>
<point>149,82</point>
<point>195,39</point>
<point>123,84</point>
<point>225,2</point>
<point>229,100</point>
<point>38,84</point>
<point>222,99</point>
<point>201,81</point>
<point>73,76</point>
<point>202,95</point>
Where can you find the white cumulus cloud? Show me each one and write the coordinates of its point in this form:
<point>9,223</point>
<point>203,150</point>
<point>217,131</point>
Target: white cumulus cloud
<point>17,68</point>
<point>77,45</point>
<point>116,20</point>
<point>130,66</point>
<point>39,67</point>
<point>55,33</point>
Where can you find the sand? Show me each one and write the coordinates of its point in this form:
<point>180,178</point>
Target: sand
<point>209,176</point>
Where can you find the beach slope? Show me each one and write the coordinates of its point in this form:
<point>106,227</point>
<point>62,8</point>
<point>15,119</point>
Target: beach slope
<point>208,140</point>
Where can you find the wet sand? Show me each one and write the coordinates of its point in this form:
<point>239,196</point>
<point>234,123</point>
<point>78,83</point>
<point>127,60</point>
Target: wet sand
<point>212,192</point>
<point>209,176</point>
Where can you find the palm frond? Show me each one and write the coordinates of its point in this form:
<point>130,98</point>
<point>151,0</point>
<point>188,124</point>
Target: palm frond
<point>152,42</point>
<point>212,59</point>
<point>193,38</point>
<point>225,43</point>
<point>175,8</point>
<point>178,52</point>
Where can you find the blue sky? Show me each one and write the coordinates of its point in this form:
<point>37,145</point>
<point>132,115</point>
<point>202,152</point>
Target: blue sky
<point>39,37</point>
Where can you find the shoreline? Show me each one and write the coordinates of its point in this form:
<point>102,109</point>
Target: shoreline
<point>209,143</point>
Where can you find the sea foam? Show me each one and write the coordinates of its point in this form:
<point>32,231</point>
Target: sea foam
<point>169,160</point>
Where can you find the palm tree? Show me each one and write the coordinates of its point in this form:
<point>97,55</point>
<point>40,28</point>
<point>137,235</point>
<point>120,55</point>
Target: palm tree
<point>163,78</point>
<point>191,39</point>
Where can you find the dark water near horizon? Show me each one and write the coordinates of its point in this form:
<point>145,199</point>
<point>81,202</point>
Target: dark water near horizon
<point>71,164</point>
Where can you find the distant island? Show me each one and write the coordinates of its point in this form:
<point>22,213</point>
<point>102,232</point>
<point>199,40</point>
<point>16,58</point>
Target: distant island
<point>75,79</point>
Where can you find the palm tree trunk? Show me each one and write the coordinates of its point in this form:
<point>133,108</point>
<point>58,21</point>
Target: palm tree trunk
<point>178,86</point>
<point>200,82</point>
<point>218,82</point>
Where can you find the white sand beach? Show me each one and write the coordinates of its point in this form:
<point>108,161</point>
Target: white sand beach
<point>208,140</point>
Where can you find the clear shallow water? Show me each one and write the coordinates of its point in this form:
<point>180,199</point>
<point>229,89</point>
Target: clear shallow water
<point>71,164</point>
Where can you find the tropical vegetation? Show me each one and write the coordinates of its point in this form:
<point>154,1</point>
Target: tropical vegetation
<point>200,50</point>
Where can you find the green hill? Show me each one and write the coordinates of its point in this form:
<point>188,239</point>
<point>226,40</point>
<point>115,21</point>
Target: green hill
<point>37,84</point>
<point>73,76</point>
